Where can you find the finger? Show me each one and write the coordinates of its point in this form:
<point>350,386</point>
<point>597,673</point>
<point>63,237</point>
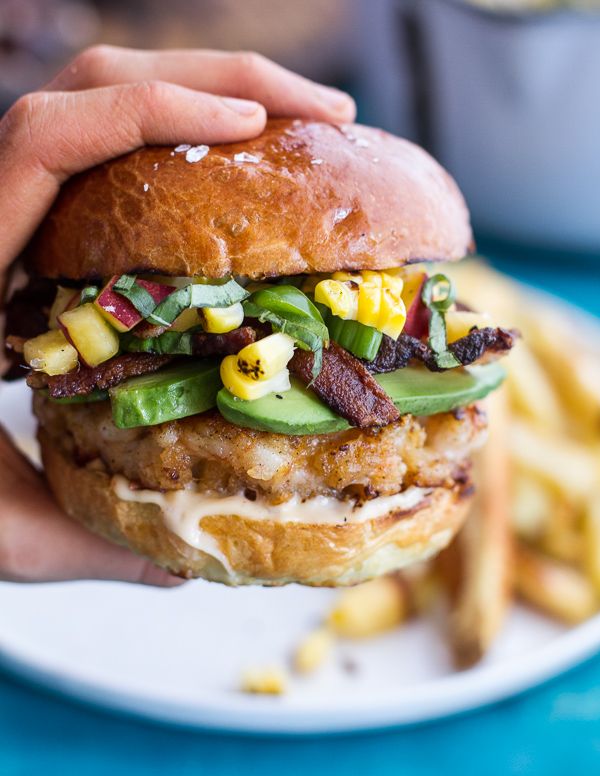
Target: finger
<point>38,543</point>
<point>238,74</point>
<point>47,137</point>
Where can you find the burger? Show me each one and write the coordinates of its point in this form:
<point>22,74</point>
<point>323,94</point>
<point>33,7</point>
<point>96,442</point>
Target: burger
<point>243,365</point>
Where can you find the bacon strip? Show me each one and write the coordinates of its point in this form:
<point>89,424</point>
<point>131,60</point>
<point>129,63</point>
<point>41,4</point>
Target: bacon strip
<point>86,379</point>
<point>224,344</point>
<point>397,354</point>
<point>346,386</point>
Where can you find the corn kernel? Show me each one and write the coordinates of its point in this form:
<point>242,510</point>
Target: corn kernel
<point>245,387</point>
<point>371,277</point>
<point>391,281</point>
<point>369,609</point>
<point>413,283</point>
<point>265,358</point>
<point>369,304</point>
<point>265,681</point>
<point>347,277</point>
<point>392,315</point>
<point>218,320</point>
<point>50,353</point>
<point>313,651</point>
<point>339,297</point>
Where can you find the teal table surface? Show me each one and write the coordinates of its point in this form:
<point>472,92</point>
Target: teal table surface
<point>549,730</point>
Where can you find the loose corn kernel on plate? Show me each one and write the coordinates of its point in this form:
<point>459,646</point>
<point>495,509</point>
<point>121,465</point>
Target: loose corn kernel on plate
<point>293,660</point>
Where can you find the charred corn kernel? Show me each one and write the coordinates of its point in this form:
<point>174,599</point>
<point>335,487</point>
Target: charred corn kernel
<point>62,299</point>
<point>392,313</point>
<point>313,651</point>
<point>265,358</point>
<point>94,338</point>
<point>50,353</point>
<point>339,297</point>
<point>186,320</point>
<point>369,304</point>
<point>347,277</point>
<point>460,322</point>
<point>247,388</point>
<point>370,608</point>
<point>265,681</point>
<point>218,320</point>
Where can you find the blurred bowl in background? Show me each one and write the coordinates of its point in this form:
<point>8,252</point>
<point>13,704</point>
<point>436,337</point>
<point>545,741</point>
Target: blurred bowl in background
<point>514,113</point>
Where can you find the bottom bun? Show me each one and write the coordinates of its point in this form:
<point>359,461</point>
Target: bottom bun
<point>241,551</point>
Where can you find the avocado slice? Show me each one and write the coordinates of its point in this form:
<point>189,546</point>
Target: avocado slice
<point>172,393</point>
<point>95,395</point>
<point>413,390</point>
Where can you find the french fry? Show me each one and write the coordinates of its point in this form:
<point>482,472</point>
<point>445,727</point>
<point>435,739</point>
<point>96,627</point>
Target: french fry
<point>370,608</point>
<point>532,504</point>
<point>591,536</point>
<point>314,650</point>
<point>568,466</point>
<point>558,589</point>
<point>531,392</point>
<point>563,538</point>
<point>477,565</point>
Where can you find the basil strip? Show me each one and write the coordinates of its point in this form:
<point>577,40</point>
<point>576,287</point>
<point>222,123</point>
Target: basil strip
<point>290,311</point>
<point>176,343</point>
<point>196,295</point>
<point>140,298</point>
<point>442,288</point>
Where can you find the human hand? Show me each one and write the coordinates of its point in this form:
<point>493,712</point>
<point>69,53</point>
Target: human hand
<point>108,102</point>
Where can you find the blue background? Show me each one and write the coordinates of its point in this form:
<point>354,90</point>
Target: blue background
<point>547,731</point>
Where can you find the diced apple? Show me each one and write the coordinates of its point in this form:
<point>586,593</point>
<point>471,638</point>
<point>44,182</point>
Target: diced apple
<point>118,311</point>
<point>460,322</point>
<point>95,340</point>
<point>417,314</point>
<point>50,353</point>
<point>65,299</point>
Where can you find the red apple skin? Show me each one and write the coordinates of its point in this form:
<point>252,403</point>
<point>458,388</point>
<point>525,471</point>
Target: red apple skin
<point>118,311</point>
<point>417,316</point>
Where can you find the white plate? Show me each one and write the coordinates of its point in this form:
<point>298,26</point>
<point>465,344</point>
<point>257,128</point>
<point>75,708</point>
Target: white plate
<point>177,655</point>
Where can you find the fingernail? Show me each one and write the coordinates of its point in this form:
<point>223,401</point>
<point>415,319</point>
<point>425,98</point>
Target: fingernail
<point>245,107</point>
<point>334,98</point>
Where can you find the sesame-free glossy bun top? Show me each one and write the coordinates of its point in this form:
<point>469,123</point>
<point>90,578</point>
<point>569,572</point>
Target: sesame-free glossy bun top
<point>302,197</point>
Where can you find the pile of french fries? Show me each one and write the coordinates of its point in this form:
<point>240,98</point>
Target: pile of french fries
<point>534,530</point>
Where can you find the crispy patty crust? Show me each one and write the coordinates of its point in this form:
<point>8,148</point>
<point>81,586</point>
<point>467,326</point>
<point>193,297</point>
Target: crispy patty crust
<point>224,458</point>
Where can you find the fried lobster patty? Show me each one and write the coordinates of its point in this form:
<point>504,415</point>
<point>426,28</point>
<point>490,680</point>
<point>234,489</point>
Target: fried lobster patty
<point>219,456</point>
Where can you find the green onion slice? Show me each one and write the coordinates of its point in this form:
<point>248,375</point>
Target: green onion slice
<point>438,295</point>
<point>88,294</point>
<point>357,338</point>
<point>290,311</point>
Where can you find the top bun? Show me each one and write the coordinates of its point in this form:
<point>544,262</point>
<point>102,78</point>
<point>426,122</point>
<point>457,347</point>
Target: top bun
<point>302,197</point>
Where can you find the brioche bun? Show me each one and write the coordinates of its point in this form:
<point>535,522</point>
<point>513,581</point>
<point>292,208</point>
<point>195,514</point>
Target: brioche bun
<point>302,197</point>
<point>263,552</point>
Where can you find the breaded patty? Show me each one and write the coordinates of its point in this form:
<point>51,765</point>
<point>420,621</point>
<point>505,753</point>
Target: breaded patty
<point>221,457</point>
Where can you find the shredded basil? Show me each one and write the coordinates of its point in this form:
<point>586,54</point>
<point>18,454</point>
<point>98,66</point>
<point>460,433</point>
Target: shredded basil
<point>196,295</point>
<point>177,343</point>
<point>438,295</point>
<point>139,297</point>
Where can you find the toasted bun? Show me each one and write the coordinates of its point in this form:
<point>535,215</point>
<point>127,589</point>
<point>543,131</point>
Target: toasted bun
<point>312,197</point>
<point>257,551</point>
